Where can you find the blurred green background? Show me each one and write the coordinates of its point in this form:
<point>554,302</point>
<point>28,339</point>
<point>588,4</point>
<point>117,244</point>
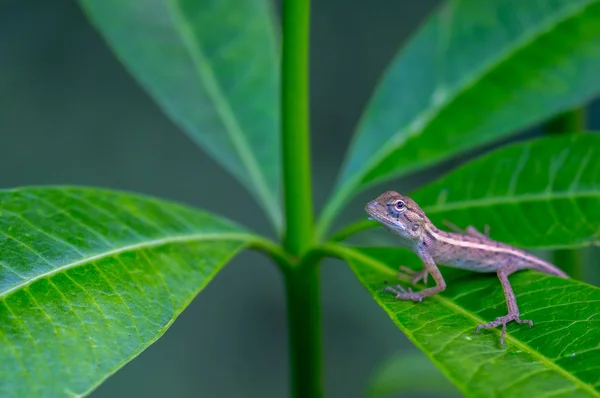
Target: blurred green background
<point>71,114</point>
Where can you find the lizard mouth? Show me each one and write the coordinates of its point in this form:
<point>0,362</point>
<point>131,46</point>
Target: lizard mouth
<point>385,221</point>
<point>378,213</point>
<point>374,215</point>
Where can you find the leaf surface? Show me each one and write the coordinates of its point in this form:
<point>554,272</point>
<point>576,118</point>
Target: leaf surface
<point>539,194</point>
<point>556,358</point>
<point>474,73</point>
<point>90,278</point>
<point>212,67</point>
<point>543,193</point>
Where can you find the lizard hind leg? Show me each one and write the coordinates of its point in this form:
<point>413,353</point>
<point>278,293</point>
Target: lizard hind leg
<point>511,304</point>
<point>474,232</point>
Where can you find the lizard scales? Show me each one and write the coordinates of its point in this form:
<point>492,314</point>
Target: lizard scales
<point>471,250</point>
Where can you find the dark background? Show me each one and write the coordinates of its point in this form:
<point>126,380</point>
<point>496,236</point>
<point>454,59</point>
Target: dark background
<point>70,114</point>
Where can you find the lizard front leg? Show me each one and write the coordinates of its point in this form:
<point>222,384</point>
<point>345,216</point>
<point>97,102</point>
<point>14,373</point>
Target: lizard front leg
<point>431,268</point>
<point>414,276</point>
<point>511,303</point>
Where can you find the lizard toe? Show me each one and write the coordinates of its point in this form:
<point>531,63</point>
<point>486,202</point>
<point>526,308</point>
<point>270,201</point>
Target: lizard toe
<point>502,321</point>
<point>410,296</point>
<point>528,321</point>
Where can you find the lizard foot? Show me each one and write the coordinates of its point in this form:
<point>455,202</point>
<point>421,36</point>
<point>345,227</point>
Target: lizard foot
<point>503,320</point>
<point>404,294</point>
<point>414,276</point>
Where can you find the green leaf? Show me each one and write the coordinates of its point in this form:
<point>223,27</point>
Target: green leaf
<point>474,73</point>
<point>212,67</point>
<point>543,193</point>
<point>558,357</point>
<point>90,278</point>
<point>409,373</point>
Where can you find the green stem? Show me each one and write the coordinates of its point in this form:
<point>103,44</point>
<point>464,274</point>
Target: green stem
<point>304,328</point>
<point>570,261</point>
<point>302,278</point>
<point>573,121</point>
<point>295,126</point>
<point>280,256</point>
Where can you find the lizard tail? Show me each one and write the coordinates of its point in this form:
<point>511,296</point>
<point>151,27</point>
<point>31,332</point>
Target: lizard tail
<point>551,269</point>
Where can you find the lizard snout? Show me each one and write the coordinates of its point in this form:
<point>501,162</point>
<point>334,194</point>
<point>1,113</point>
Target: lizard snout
<point>371,206</point>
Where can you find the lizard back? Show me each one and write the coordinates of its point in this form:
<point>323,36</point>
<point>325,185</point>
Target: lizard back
<point>480,254</point>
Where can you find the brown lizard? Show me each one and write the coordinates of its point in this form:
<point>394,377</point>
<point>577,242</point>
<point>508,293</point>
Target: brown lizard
<point>471,250</point>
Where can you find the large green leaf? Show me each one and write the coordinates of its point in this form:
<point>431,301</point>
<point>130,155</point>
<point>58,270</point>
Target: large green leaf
<point>476,71</point>
<point>543,193</point>
<point>558,357</point>
<point>212,67</point>
<point>90,278</point>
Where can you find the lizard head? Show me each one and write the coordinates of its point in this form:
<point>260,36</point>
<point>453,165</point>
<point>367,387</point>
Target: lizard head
<point>399,214</point>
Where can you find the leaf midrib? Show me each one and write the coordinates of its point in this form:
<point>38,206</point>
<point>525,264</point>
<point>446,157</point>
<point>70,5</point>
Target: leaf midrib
<point>123,249</point>
<point>232,126</point>
<point>432,112</point>
<point>477,320</point>
<point>516,199</point>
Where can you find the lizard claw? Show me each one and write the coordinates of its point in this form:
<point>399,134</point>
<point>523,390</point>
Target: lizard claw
<point>503,320</point>
<point>405,294</point>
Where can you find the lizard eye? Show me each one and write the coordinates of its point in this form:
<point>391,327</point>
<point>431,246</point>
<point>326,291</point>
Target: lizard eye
<point>400,206</point>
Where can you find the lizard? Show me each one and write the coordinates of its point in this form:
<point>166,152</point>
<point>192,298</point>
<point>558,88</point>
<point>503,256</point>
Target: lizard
<point>470,250</point>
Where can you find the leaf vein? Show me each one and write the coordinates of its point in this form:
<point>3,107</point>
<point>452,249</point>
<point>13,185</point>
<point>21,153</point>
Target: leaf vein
<point>132,247</point>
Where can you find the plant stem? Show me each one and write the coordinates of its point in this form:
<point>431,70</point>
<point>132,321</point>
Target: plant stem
<point>295,126</point>
<point>573,121</point>
<point>304,328</point>
<point>569,260</point>
<point>301,279</point>
<point>280,256</point>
